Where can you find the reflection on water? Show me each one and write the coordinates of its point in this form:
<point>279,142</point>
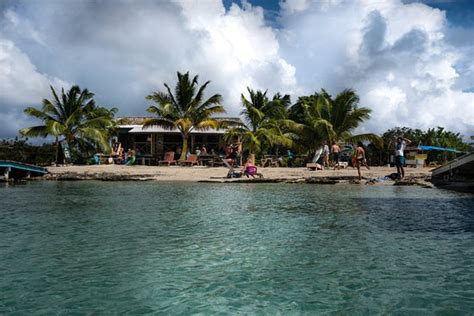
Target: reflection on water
<point>92,247</point>
<point>421,214</point>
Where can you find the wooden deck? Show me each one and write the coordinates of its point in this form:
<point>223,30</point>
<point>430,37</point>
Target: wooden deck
<point>17,170</point>
<point>457,174</point>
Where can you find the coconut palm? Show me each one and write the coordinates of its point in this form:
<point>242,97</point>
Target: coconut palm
<point>265,122</point>
<point>325,118</point>
<point>75,118</point>
<point>185,109</point>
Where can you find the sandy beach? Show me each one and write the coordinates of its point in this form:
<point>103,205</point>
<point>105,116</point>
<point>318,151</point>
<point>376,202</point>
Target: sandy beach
<point>218,174</point>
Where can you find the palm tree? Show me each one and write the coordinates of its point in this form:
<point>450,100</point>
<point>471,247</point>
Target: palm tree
<point>325,118</point>
<point>265,122</point>
<point>75,117</point>
<point>185,110</point>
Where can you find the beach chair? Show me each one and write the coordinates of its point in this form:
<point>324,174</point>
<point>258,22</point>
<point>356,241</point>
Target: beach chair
<point>168,159</point>
<point>191,161</point>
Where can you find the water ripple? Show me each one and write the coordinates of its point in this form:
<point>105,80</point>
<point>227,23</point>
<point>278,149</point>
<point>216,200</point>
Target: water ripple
<point>180,248</point>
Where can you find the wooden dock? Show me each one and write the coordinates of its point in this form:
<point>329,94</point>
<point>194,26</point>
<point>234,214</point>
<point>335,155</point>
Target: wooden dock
<point>457,174</point>
<point>17,170</point>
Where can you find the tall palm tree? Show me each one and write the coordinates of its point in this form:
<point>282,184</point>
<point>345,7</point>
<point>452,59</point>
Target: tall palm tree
<point>323,117</point>
<point>185,110</point>
<point>75,118</point>
<point>265,122</point>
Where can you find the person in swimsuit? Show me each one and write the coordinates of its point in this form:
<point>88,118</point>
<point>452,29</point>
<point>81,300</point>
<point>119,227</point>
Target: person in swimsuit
<point>360,158</point>
<point>250,169</point>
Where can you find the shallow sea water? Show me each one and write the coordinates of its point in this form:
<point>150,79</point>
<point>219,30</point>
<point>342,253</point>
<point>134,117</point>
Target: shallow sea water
<point>184,248</point>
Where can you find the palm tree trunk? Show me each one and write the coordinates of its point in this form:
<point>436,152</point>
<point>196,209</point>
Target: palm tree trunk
<point>184,148</point>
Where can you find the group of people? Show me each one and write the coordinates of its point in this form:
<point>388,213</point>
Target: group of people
<point>233,154</point>
<point>119,156</point>
<point>400,145</point>
<point>359,156</point>
<point>199,151</point>
<point>324,153</point>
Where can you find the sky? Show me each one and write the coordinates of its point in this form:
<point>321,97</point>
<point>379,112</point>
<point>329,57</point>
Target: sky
<point>409,61</point>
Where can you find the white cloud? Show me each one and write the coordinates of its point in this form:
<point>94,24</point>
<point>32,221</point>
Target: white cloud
<point>21,85</point>
<point>20,82</point>
<point>293,6</point>
<point>394,55</point>
<point>406,62</point>
<point>237,50</point>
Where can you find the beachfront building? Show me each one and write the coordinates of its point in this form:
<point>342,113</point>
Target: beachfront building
<point>151,143</point>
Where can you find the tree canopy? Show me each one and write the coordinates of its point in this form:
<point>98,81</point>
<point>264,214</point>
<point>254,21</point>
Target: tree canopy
<point>185,109</point>
<point>74,118</point>
<point>265,122</point>
<point>322,117</point>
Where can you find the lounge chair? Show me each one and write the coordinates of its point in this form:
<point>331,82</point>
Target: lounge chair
<point>168,159</point>
<point>191,161</point>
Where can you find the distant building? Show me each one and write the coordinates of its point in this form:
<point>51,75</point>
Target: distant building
<point>154,141</point>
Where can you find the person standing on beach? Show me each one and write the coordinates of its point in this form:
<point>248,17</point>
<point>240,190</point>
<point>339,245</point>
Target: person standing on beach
<point>399,155</point>
<point>360,158</point>
<point>336,151</point>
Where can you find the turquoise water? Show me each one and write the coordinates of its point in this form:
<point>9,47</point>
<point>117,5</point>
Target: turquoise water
<point>181,248</point>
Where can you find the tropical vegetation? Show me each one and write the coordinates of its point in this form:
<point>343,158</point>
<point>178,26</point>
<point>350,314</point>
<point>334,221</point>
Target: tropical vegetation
<point>19,149</point>
<point>185,109</point>
<point>438,137</point>
<point>74,119</point>
<point>324,118</point>
<point>265,122</point>
<point>269,124</point>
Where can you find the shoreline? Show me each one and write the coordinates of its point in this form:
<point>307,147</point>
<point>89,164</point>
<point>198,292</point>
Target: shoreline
<point>374,176</point>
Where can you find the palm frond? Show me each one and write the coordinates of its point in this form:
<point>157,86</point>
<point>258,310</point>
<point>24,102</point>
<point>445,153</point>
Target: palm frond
<point>216,99</point>
<point>97,136</point>
<point>207,124</point>
<point>31,111</point>
<point>165,123</point>
<point>373,138</point>
<point>35,131</point>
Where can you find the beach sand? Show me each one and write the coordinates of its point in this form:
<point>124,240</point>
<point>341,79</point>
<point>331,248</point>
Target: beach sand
<point>198,173</point>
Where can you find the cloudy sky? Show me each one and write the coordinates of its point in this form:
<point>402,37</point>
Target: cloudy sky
<point>410,61</point>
